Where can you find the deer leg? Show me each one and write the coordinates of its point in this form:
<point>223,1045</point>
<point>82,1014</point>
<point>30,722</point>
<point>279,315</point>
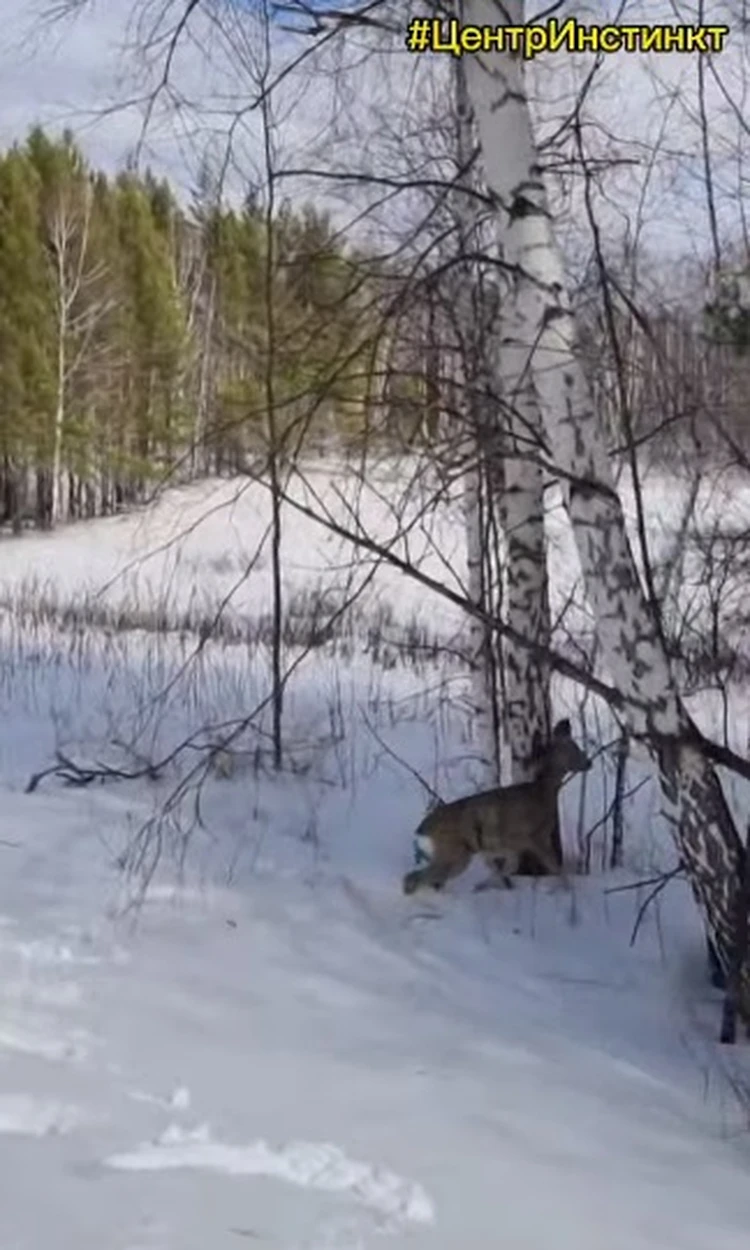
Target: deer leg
<point>546,855</point>
<point>498,878</point>
<point>439,870</point>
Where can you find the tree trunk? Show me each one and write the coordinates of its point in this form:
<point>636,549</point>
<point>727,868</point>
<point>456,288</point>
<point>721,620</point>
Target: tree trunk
<point>481,421</point>
<point>505,492</point>
<point>13,494</point>
<point>706,838</point>
<point>205,378</point>
<point>482,653</point>
<point>57,434</point>
<point>43,499</point>
<point>526,709</point>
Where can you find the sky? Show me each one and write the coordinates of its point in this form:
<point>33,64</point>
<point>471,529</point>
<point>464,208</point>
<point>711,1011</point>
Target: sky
<point>67,75</point>
<point>58,75</point>
<point>77,74</point>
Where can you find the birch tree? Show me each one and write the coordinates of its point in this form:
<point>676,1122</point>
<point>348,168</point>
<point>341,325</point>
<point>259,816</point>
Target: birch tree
<point>203,303</point>
<point>505,489</point>
<point>627,624</point>
<point>481,418</point>
<point>75,279</point>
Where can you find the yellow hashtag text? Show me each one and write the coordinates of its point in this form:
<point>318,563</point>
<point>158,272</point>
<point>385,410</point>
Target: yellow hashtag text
<point>427,34</point>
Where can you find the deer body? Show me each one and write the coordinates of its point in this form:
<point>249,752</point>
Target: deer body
<point>499,824</point>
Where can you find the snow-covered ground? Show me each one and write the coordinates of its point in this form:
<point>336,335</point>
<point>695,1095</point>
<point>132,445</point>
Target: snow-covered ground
<point>276,1048</point>
<point>204,550</point>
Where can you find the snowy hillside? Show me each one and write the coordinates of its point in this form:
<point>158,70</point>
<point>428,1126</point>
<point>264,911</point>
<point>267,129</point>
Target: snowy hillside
<point>277,1048</point>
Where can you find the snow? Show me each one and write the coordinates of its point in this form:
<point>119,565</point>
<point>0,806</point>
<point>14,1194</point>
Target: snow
<point>276,1047</point>
<point>22,1114</point>
<point>315,1165</point>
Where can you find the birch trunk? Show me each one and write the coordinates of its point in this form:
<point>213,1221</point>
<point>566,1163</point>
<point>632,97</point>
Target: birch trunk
<point>480,424</point>
<point>482,653</point>
<point>60,400</point>
<point>705,835</point>
<point>198,456</point>
<point>509,483</point>
<point>527,708</point>
<point>68,231</point>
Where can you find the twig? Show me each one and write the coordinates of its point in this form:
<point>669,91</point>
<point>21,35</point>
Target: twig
<point>612,811</point>
<point>637,885</point>
<point>663,881</point>
<point>404,763</point>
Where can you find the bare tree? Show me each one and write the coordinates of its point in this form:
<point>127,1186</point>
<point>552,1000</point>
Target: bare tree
<point>479,412</point>
<point>79,307</point>
<point>505,487</point>
<point>632,650</point>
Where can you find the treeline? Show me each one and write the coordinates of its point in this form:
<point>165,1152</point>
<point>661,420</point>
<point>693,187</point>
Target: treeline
<point>666,381</point>
<point>142,339</point>
<point>139,337</point>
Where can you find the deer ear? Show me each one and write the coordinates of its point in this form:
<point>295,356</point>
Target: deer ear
<point>562,729</point>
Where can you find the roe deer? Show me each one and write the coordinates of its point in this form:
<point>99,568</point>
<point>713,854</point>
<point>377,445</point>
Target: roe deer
<point>500,825</point>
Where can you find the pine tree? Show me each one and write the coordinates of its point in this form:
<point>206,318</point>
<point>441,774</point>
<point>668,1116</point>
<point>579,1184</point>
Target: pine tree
<point>26,335</point>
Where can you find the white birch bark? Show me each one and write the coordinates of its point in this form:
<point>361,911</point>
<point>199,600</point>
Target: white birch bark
<point>198,452</point>
<point>472,366</point>
<point>705,835</point>
<point>527,706</point>
<point>76,311</point>
<point>512,485</point>
<point>61,239</point>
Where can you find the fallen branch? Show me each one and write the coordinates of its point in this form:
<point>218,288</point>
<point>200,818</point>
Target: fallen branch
<point>73,774</point>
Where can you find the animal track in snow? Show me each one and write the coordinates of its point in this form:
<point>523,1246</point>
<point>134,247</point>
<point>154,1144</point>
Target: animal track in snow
<point>60,994</point>
<point>51,953</point>
<point>312,1165</point>
<point>26,1038</point>
<point>179,1100</point>
<point>29,1117</point>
